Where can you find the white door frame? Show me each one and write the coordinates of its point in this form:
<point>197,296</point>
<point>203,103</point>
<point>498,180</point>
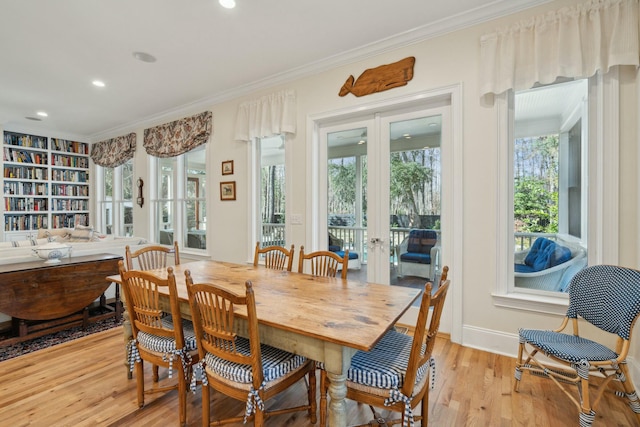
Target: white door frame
<point>452,185</point>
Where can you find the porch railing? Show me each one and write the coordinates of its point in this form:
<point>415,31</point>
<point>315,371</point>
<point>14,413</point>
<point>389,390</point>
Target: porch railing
<point>354,238</point>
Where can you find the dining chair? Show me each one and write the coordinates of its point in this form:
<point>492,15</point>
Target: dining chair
<point>149,258</point>
<point>324,263</point>
<point>395,373</point>
<point>276,257</point>
<point>242,367</point>
<point>152,257</point>
<point>607,297</point>
<point>160,338</point>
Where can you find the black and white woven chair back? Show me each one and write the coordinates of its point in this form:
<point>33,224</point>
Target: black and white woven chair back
<point>606,296</point>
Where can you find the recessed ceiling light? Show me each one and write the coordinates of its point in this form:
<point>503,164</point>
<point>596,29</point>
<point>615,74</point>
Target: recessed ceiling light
<point>144,57</point>
<point>98,83</point>
<point>362,141</point>
<point>229,4</point>
<point>406,136</point>
<point>42,114</point>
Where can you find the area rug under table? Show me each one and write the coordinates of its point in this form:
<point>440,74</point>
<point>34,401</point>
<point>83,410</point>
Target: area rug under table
<point>14,350</point>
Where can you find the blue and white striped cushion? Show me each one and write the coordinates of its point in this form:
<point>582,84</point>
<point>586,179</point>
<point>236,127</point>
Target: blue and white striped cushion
<point>567,347</point>
<point>386,365</point>
<point>168,344</point>
<point>275,363</point>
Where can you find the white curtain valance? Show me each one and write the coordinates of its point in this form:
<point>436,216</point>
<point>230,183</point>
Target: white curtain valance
<point>267,116</point>
<point>573,42</point>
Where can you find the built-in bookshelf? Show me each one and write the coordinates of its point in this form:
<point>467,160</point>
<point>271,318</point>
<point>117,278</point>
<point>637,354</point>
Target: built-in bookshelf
<point>45,182</point>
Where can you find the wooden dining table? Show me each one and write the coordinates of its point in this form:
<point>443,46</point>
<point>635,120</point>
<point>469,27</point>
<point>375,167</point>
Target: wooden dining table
<point>324,319</point>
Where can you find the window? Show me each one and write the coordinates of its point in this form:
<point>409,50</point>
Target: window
<point>181,213</point>
<point>549,219</point>
<point>115,199</point>
<point>587,182</point>
<point>272,191</point>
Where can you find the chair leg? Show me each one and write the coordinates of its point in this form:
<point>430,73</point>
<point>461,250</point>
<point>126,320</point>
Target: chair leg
<point>629,389</point>
<point>518,371</point>
<point>206,409</point>
<point>425,409</point>
<point>182,396</point>
<point>323,398</point>
<point>156,376</point>
<point>312,395</point>
<point>140,382</point>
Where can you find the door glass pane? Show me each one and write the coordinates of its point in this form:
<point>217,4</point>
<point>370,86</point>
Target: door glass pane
<point>415,200</point>
<point>347,197</point>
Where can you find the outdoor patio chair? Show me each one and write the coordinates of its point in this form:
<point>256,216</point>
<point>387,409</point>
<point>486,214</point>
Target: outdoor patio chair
<point>275,257</point>
<point>607,297</point>
<point>324,263</point>
<point>238,367</point>
<point>418,254</point>
<point>395,373</point>
<point>163,339</point>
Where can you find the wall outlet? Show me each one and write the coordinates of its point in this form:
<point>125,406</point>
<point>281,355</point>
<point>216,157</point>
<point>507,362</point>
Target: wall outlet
<point>296,219</point>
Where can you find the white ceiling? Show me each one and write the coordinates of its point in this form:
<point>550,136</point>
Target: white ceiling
<point>50,51</point>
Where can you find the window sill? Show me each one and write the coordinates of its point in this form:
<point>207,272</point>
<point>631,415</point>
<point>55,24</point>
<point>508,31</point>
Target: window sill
<point>533,302</point>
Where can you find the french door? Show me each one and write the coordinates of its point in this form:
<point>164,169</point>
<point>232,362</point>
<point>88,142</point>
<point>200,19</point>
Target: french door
<point>382,178</point>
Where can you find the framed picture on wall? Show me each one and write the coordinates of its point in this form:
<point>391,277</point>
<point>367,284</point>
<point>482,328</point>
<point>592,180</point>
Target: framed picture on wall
<point>227,167</point>
<point>228,190</point>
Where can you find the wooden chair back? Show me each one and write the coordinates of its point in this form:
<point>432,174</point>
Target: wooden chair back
<point>444,274</point>
<point>425,332</point>
<point>324,263</point>
<point>141,290</point>
<point>152,257</point>
<point>275,257</point>
<point>213,308</point>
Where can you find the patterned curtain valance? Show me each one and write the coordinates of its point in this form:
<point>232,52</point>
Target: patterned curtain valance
<point>115,151</point>
<point>178,137</point>
<point>573,42</point>
<point>270,115</point>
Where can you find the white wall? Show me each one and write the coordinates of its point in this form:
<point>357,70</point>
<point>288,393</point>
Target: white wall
<point>443,61</point>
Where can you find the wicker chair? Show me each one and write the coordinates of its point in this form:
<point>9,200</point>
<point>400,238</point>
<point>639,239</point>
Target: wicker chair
<point>275,257</point>
<point>607,297</point>
<point>395,374</point>
<point>238,367</point>
<point>152,257</point>
<point>324,263</point>
<point>158,338</point>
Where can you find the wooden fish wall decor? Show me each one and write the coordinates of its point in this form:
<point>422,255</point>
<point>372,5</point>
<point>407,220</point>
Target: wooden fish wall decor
<point>380,78</point>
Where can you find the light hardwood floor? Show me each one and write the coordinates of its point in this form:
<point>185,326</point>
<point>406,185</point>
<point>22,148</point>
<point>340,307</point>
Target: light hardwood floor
<point>84,383</point>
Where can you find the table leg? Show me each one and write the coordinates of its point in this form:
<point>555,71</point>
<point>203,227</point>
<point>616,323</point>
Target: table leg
<point>337,406</point>
<point>337,360</point>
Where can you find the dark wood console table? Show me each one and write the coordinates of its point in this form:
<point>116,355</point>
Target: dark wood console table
<point>44,298</point>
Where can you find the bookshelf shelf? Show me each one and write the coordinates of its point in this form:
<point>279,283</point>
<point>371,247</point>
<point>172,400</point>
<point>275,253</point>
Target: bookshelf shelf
<point>45,183</point>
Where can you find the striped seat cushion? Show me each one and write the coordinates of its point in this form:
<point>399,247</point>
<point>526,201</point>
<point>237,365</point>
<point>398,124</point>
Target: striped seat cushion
<point>386,365</point>
<point>275,363</point>
<point>567,347</point>
<point>168,344</point>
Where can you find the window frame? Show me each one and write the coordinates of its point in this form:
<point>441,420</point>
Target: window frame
<point>603,199</point>
<point>117,201</point>
<point>255,218</point>
<point>177,198</point>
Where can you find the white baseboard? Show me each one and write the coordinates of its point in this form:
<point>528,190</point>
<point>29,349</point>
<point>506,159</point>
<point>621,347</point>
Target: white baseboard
<point>507,345</point>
